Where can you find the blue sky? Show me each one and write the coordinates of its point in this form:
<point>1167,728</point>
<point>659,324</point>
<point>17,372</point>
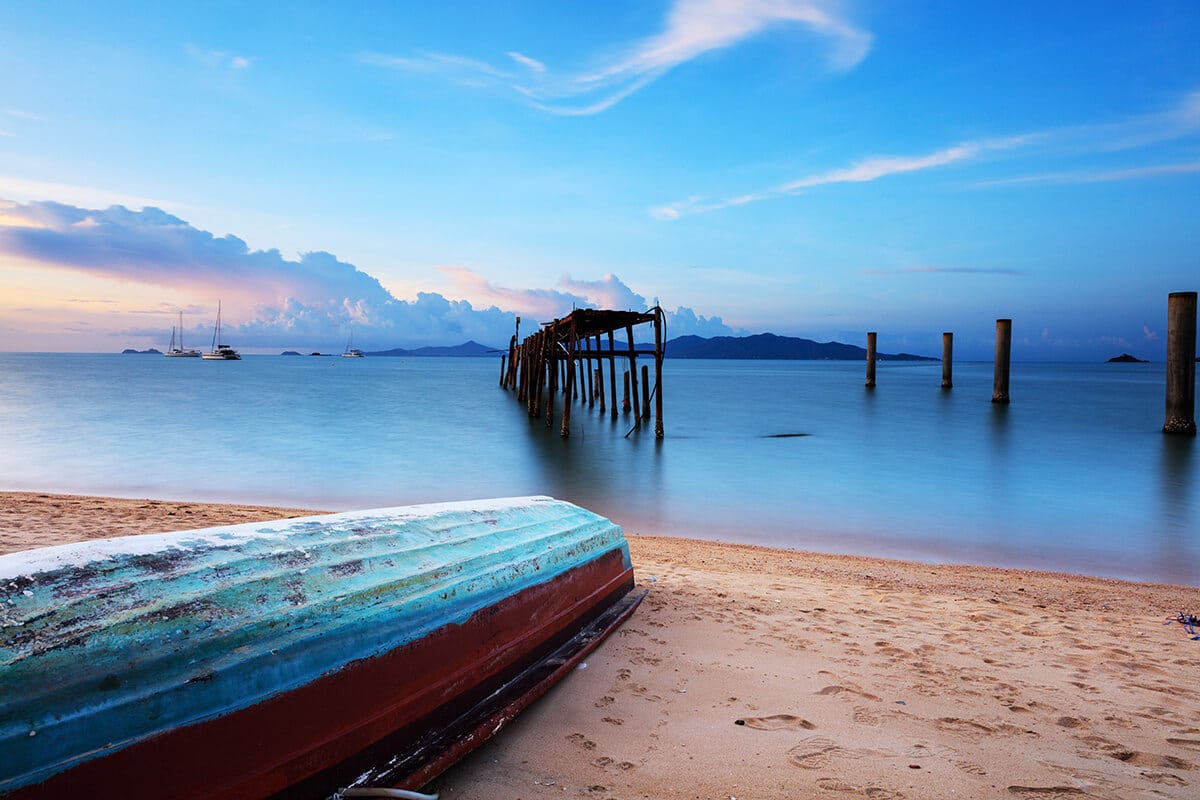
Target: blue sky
<point>421,173</point>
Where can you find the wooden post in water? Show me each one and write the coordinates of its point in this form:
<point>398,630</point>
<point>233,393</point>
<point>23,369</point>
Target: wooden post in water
<point>947,360</point>
<point>1003,356</point>
<point>645,391</point>
<point>1181,364</point>
<point>569,394</point>
<point>503,358</point>
<point>600,386</point>
<point>871,360</point>
<point>625,397</point>
<point>633,394</point>
<point>658,376</point>
<point>612,373</point>
<point>551,349</point>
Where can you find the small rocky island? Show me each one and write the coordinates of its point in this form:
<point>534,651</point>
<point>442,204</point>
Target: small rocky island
<point>1125,358</point>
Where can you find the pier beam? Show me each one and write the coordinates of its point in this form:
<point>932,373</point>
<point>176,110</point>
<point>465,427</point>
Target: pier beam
<point>871,360</point>
<point>1003,356</point>
<point>947,360</point>
<point>1181,364</point>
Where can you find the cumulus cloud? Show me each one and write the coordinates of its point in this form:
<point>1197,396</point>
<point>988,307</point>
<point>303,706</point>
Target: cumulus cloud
<point>691,29</point>
<point>296,302</point>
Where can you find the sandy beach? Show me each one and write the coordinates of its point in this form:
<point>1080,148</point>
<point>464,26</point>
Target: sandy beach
<point>750,672</point>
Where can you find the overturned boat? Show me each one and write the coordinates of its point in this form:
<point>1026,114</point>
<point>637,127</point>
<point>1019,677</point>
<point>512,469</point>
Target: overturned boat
<point>298,657</point>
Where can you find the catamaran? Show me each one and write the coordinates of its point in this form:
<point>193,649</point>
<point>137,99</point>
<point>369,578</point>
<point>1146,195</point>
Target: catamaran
<point>178,351</point>
<point>351,351</point>
<point>220,352</point>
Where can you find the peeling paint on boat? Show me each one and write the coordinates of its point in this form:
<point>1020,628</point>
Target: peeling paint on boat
<point>143,634</point>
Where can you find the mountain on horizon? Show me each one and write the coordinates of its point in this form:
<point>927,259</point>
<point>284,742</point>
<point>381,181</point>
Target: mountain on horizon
<point>467,349</point>
<point>770,346</point>
<point>764,346</point>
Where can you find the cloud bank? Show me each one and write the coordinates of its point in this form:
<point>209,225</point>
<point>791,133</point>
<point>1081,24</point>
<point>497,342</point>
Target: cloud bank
<point>302,302</point>
<point>692,28</point>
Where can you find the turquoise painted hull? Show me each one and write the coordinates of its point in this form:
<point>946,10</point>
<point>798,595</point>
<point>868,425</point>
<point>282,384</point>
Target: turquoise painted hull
<point>108,644</point>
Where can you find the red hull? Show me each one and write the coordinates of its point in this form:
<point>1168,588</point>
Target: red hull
<point>315,739</point>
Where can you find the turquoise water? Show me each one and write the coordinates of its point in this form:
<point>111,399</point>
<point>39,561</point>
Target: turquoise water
<point>1074,475</point>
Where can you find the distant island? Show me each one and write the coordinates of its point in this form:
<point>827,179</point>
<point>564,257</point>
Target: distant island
<point>471,348</point>
<point>769,346</point>
<point>1125,358</point>
<point>765,346</point>
<point>760,346</point>
<point>129,351</point>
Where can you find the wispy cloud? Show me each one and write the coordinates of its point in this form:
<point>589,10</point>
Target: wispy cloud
<point>1101,176</point>
<point>1179,122</point>
<point>525,61</point>
<point>869,169</point>
<point>926,270</point>
<point>691,29</point>
<point>218,59</point>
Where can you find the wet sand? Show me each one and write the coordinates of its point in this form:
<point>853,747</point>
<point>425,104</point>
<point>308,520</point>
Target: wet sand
<point>751,672</point>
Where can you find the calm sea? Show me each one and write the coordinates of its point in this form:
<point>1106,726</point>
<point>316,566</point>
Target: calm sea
<point>1074,475</point>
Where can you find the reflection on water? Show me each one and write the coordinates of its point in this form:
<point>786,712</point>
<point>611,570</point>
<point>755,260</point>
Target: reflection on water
<point>1073,476</point>
<point>1178,498</point>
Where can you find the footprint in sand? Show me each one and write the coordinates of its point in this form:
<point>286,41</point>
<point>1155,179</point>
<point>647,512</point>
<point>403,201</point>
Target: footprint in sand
<point>816,752</point>
<point>1048,792</point>
<point>776,722</point>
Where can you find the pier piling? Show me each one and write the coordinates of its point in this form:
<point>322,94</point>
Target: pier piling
<point>1181,364</point>
<point>1003,355</point>
<point>568,355</point>
<point>947,360</point>
<point>871,360</point>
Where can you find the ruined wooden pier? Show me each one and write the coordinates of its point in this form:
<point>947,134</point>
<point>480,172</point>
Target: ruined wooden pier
<point>569,355</point>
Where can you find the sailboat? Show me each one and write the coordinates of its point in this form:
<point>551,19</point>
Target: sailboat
<point>220,352</point>
<point>179,352</point>
<point>351,352</point>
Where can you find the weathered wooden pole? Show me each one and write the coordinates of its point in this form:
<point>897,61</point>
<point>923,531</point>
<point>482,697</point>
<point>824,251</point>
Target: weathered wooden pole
<point>871,360</point>
<point>637,412</point>
<point>547,384</point>
<point>503,358</point>
<point>569,394</point>
<point>599,367</point>
<point>658,376</point>
<point>612,373</point>
<point>625,396</point>
<point>1003,356</point>
<point>645,391</point>
<point>947,360</point>
<point>589,374</point>
<point>553,368</point>
<point>1181,364</point>
<point>523,388</point>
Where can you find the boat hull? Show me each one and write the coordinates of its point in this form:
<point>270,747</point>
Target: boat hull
<point>460,659</point>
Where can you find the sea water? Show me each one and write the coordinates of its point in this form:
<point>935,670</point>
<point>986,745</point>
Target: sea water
<point>1074,475</point>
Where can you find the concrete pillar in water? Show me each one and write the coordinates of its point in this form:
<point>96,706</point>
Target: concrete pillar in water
<point>871,359</point>
<point>1181,364</point>
<point>1003,355</point>
<point>947,360</point>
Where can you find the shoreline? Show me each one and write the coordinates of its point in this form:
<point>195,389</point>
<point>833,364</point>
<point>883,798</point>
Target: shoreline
<point>756,672</point>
